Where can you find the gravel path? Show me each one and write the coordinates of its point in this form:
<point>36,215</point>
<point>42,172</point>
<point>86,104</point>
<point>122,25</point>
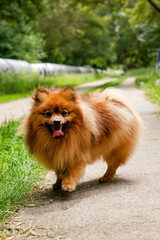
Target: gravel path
<point>14,110</point>
<point>128,208</point>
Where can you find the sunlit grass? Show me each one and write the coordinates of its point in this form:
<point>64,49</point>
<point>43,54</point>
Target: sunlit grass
<point>16,86</point>
<point>149,80</point>
<point>141,72</point>
<point>18,172</point>
<point>113,83</point>
<point>12,97</point>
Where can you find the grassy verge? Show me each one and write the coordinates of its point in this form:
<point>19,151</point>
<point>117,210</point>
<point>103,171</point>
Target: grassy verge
<point>18,172</point>
<point>12,97</point>
<point>149,80</point>
<point>141,72</point>
<point>114,83</point>
<point>17,86</point>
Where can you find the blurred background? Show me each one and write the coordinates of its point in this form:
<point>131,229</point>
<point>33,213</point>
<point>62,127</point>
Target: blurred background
<point>66,43</point>
<point>99,33</point>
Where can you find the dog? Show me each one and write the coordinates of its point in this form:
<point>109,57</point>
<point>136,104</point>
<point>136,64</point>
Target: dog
<point>66,131</point>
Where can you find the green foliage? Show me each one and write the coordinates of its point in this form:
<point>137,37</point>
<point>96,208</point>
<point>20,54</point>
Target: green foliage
<point>75,34</point>
<point>144,23</point>
<point>151,85</point>
<point>143,12</point>
<point>18,41</point>
<point>141,72</point>
<point>18,38</point>
<point>18,172</point>
<point>152,88</point>
<point>99,33</point>
<point>149,80</point>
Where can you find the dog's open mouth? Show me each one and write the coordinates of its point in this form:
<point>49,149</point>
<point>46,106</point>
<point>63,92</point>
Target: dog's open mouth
<point>57,132</point>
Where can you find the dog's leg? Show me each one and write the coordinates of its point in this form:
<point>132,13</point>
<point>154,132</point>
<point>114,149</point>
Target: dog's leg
<point>109,175</point>
<point>72,177</point>
<point>114,161</point>
<point>58,183</point>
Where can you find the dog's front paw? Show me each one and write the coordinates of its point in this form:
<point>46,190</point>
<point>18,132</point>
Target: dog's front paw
<point>68,184</point>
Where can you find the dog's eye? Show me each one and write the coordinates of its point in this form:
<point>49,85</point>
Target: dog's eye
<point>64,113</point>
<point>48,114</point>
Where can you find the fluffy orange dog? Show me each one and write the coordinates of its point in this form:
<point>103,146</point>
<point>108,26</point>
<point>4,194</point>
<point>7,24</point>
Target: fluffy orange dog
<point>65,132</point>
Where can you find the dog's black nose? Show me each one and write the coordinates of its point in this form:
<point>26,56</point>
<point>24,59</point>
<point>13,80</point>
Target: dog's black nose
<point>57,122</point>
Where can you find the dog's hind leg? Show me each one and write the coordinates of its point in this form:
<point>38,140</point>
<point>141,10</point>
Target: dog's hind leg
<point>114,161</point>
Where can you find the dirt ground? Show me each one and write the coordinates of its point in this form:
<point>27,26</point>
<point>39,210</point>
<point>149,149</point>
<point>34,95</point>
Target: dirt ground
<point>128,208</point>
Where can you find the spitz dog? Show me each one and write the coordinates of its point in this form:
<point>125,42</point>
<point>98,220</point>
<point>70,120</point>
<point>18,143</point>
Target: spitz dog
<point>65,131</point>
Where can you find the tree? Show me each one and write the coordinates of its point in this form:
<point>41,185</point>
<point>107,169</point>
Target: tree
<point>85,32</point>
<point>154,5</point>
<point>75,34</point>
<point>18,40</point>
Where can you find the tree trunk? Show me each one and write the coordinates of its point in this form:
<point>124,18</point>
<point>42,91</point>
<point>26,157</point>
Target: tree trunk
<point>154,5</point>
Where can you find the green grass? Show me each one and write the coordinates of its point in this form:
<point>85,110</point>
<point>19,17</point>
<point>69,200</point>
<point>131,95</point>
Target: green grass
<point>18,172</point>
<point>17,86</point>
<point>12,97</point>
<point>113,83</point>
<point>152,88</point>
<point>149,80</point>
<point>140,72</point>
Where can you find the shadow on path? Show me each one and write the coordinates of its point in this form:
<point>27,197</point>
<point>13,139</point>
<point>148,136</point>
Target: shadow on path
<point>84,190</point>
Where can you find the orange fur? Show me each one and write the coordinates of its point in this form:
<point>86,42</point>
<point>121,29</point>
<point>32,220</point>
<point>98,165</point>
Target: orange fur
<point>99,125</point>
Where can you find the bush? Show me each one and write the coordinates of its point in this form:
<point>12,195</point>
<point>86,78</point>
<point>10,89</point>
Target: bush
<point>18,41</point>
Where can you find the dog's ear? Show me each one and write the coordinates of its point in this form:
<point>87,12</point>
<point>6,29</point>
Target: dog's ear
<point>69,93</point>
<point>39,94</point>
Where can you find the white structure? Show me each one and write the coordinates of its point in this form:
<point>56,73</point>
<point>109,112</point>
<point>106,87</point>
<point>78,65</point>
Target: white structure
<point>53,68</point>
<point>14,66</point>
<point>17,66</point>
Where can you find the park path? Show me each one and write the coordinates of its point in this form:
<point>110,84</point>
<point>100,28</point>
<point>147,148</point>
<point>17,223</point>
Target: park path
<point>128,208</point>
<point>18,108</point>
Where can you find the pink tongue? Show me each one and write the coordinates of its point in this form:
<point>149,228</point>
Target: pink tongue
<point>58,133</point>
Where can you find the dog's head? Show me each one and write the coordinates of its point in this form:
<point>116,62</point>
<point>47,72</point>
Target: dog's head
<point>56,112</point>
